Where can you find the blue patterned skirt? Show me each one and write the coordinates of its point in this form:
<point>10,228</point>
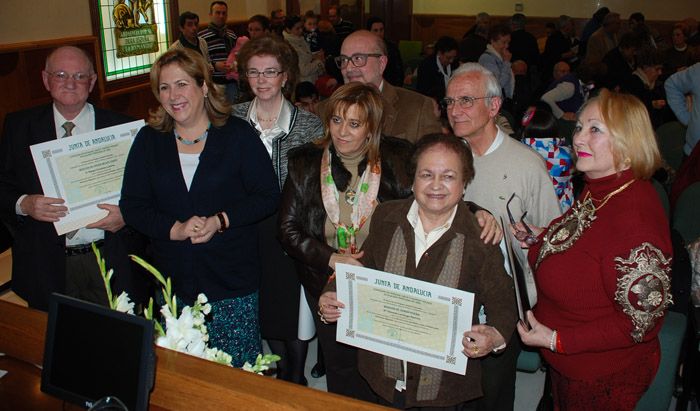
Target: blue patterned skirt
<point>233,327</point>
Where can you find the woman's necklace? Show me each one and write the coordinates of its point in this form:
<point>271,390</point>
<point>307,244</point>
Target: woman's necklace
<point>192,142</point>
<point>350,193</point>
<point>562,235</point>
<point>267,120</point>
<point>609,196</point>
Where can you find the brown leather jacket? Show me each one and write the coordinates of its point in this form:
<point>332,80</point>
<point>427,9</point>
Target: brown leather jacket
<point>481,272</point>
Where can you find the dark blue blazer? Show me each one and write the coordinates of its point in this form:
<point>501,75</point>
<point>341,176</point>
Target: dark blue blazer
<point>234,175</point>
<point>38,253</point>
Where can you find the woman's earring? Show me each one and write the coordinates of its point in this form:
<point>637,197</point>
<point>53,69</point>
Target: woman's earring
<point>284,83</point>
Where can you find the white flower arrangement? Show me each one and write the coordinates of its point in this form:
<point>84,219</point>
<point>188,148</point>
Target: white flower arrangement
<point>121,303</point>
<point>187,332</point>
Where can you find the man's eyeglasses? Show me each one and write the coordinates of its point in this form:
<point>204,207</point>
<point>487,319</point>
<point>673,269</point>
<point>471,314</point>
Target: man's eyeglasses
<point>462,102</point>
<point>358,59</point>
<point>271,73</point>
<point>62,76</point>
<point>527,236</point>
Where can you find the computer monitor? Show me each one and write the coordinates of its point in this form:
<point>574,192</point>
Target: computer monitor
<point>92,352</point>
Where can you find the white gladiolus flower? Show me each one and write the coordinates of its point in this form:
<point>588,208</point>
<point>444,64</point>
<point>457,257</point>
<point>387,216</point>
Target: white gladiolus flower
<point>185,333</point>
<point>202,299</point>
<point>197,348</point>
<point>124,304</point>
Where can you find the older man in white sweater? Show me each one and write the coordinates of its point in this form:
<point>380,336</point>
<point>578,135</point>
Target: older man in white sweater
<point>503,167</point>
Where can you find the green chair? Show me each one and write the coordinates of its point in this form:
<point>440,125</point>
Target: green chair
<point>658,396</point>
<point>529,360</point>
<point>663,196</point>
<point>410,50</point>
<point>686,218</point>
<point>671,138</point>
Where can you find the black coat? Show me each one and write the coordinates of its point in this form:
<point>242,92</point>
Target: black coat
<point>38,253</point>
<point>523,46</point>
<point>430,80</point>
<point>302,216</point>
<point>234,175</point>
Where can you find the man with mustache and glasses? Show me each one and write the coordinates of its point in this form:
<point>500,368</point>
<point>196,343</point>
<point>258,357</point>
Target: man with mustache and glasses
<point>407,114</point>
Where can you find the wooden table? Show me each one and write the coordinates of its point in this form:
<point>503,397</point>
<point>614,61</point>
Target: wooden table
<point>182,382</point>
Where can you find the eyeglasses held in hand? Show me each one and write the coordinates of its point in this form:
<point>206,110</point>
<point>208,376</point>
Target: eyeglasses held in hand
<point>62,76</point>
<point>358,59</point>
<point>462,102</point>
<point>270,73</point>
<point>527,236</point>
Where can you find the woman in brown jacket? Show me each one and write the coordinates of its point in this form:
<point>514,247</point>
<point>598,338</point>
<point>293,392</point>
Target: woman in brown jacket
<point>317,227</point>
<point>435,238</point>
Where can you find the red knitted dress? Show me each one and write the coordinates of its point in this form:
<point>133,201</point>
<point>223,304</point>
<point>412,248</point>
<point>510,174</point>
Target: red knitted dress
<point>605,293</point>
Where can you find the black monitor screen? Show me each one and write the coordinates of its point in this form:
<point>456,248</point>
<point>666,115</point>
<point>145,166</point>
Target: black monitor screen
<point>93,352</point>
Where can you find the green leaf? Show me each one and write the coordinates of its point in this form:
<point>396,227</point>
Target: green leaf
<point>106,276</point>
<point>270,358</point>
<point>159,328</point>
<point>98,256</point>
<point>151,269</point>
<point>174,305</point>
<point>149,312</point>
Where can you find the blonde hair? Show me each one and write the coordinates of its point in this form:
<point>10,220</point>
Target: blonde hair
<point>632,136</point>
<point>370,106</point>
<point>215,104</point>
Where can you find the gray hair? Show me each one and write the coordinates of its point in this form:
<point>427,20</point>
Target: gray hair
<point>611,18</point>
<point>563,21</point>
<point>518,20</point>
<point>493,87</point>
<point>482,16</point>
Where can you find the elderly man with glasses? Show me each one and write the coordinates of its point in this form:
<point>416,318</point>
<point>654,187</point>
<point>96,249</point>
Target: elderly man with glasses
<point>407,114</point>
<point>42,261</point>
<point>508,173</point>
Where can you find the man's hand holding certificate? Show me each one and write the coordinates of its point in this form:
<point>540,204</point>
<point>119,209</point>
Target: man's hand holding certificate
<point>85,171</point>
<point>404,318</point>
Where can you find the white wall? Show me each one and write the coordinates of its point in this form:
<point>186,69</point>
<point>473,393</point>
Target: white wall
<point>22,20</point>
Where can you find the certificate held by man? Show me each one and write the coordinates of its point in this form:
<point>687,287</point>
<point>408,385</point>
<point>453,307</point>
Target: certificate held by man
<point>85,170</point>
<point>404,318</point>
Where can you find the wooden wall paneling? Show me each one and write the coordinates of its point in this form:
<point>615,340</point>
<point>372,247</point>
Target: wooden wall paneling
<point>293,8</point>
<point>21,65</point>
<point>136,104</point>
<point>429,27</point>
<point>397,15</point>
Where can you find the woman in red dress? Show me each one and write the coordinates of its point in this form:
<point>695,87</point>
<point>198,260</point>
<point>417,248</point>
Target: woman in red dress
<point>602,269</point>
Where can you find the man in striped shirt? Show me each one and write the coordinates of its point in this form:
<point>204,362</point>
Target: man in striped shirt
<point>220,40</point>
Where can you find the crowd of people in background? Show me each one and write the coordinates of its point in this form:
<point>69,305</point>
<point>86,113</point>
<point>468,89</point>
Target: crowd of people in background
<point>307,142</point>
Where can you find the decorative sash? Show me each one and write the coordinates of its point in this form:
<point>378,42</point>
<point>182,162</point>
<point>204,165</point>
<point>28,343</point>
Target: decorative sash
<point>430,378</point>
<point>364,203</point>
